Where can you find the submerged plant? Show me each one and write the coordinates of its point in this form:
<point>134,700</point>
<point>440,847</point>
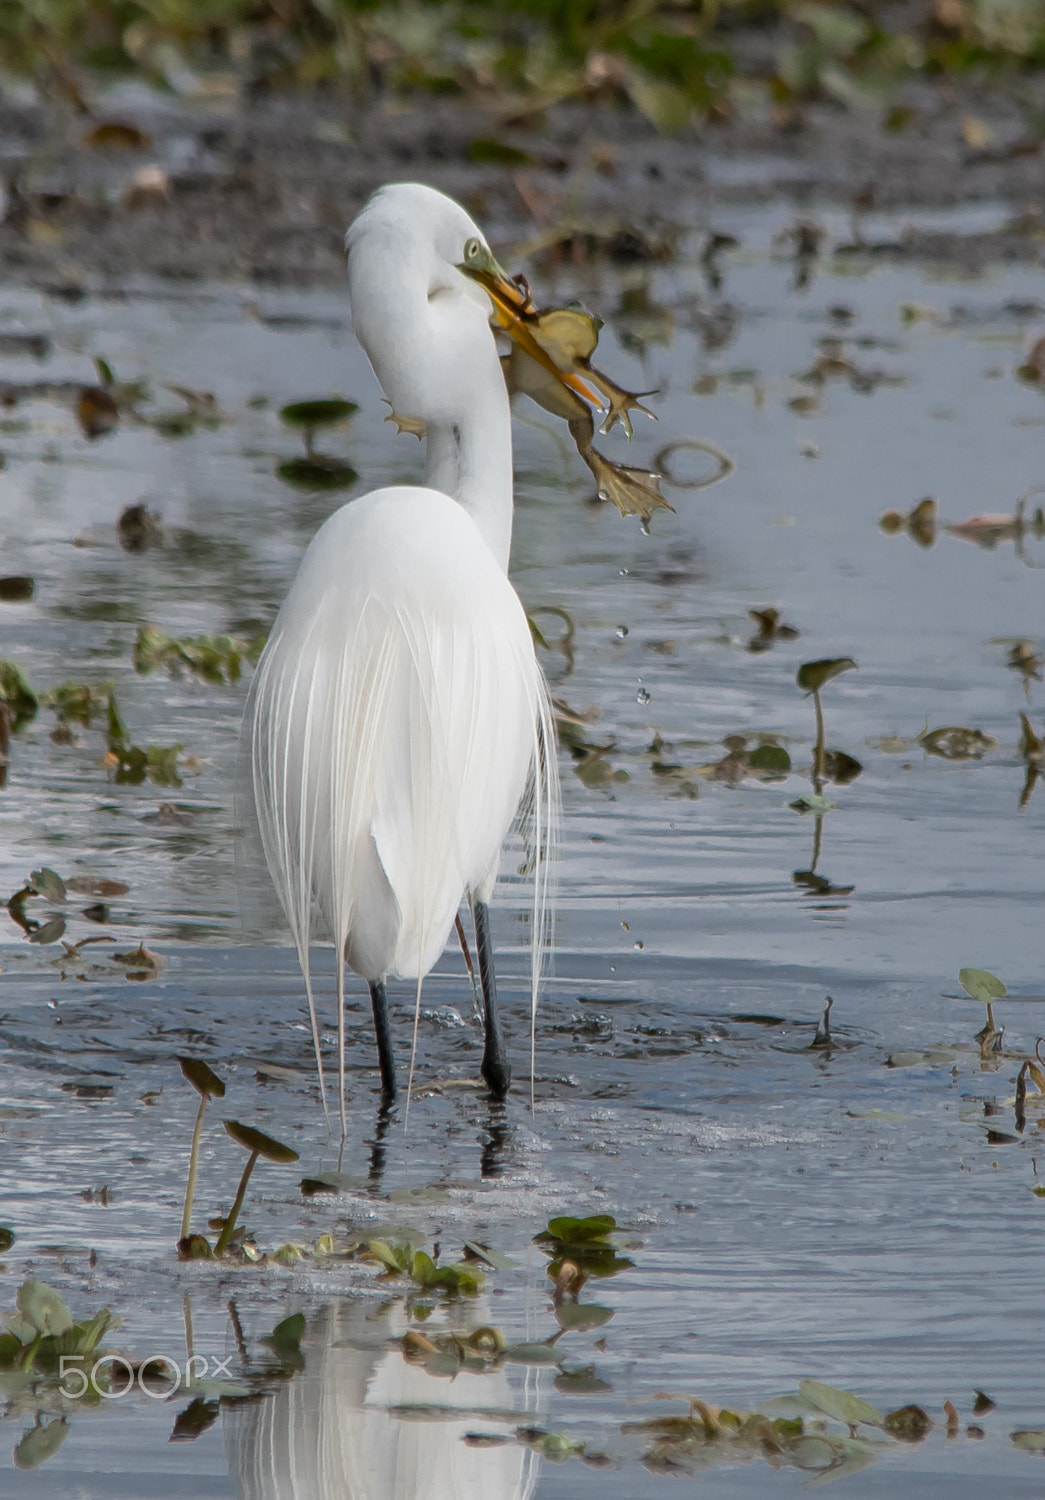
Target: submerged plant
<point>258,1144</point>
<point>209,1086</point>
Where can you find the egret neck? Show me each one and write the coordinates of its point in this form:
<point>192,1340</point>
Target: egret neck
<point>470,459</point>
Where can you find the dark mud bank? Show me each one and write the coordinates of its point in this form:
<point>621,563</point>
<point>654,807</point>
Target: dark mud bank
<point>262,191</point>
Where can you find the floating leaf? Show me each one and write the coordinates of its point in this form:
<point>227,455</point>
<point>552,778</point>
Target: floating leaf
<point>978,984</point>
<point>317,472</point>
<point>96,411</point>
<point>48,883</point>
<point>812,675</point>
<point>118,135</point>
<point>306,416</point>
<point>532,1354</point>
<point>1029,1440</point>
<point>840,767</point>
<point>909,1424</point>
<point>956,742</point>
<point>48,932</point>
<point>203,1078</point>
<point>16,588</point>
<point>252,1140</point>
<point>40,1443</point>
<point>571,1230</point>
<point>579,1317</point>
<point>17,694</point>
<point>843,1406</point>
<point>331,1182</point>
<point>196,1419</point>
<point>7,1238</point>
<point>811,802</point>
<point>42,1306</point>
<point>491,1257</point>
<point>583,1382</point>
<point>769,760</point>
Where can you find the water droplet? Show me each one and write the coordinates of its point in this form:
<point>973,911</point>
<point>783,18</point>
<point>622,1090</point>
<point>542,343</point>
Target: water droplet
<point>625,926</point>
<point>642,696</point>
<point>620,632</point>
<point>638,945</point>
<point>603,495</point>
<point>622,573</point>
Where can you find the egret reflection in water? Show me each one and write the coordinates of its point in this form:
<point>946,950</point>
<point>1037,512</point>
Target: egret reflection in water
<point>342,1429</point>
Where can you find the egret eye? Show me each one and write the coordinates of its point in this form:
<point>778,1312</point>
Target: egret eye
<point>473,250</point>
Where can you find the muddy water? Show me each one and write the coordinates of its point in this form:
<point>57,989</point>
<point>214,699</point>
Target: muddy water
<point>860,1213</point>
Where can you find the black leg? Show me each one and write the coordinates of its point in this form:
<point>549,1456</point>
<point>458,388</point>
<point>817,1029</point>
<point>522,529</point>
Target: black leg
<point>495,1069</point>
<point>377,1146</point>
<point>383,1033</point>
<point>497,1143</point>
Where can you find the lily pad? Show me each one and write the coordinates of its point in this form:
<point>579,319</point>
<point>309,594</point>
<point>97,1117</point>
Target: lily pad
<point>812,675</point>
<point>256,1140</point>
<point>40,1443</point>
<point>978,984</point>
<point>843,1406</point>
<point>318,471</point>
<point>42,1306</point>
<point>203,1079</point>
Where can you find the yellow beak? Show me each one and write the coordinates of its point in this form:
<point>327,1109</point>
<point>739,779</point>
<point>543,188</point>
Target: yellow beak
<point>514,311</point>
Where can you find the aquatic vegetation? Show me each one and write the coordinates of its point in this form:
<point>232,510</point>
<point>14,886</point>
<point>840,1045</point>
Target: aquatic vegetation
<point>217,659</point>
<point>771,628</point>
<point>131,764</point>
<point>404,1259</point>
<point>811,677</point>
<point>41,1339</point>
<point>316,471</point>
<point>209,1086</point>
<point>257,1143</point>
<point>581,1247</point>
<point>919,523</point>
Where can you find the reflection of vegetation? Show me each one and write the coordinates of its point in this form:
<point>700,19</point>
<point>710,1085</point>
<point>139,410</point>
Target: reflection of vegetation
<point>828,765</point>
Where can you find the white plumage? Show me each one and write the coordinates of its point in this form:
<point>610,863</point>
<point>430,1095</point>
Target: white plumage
<point>398,715</point>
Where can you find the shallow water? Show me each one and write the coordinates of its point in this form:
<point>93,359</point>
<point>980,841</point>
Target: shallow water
<point>802,1211</point>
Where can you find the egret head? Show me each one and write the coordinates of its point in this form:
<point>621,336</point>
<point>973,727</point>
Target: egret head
<point>422,280</point>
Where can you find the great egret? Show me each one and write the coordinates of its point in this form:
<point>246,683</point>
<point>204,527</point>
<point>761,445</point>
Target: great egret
<point>398,715</point>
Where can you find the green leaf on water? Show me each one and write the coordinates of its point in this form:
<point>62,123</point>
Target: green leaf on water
<point>316,472</point>
<point>1029,1440</point>
<point>578,1317</point>
<point>570,1230</point>
<point>47,883</point>
<point>286,1337</point>
<point>910,1424</point>
<point>48,932</point>
<point>843,1406</point>
<point>978,984</point>
<point>583,1382</point>
<point>17,694</point>
<point>811,802</point>
<point>770,760</point>
<point>256,1140</point>
<point>492,1258</point>
<point>324,412</point>
<point>532,1354</point>
<point>42,1306</point>
<point>812,675</point>
<point>40,1443</point>
<point>7,1238</point>
<point>203,1079</point>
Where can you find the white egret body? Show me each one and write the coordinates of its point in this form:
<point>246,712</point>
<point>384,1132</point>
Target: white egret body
<point>398,715</point>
